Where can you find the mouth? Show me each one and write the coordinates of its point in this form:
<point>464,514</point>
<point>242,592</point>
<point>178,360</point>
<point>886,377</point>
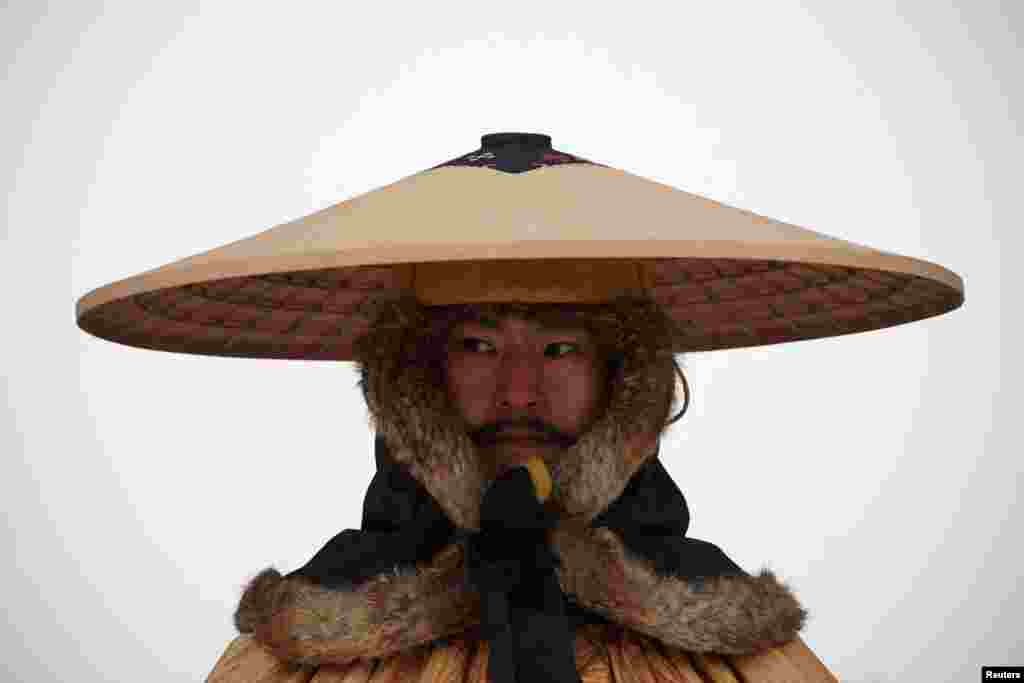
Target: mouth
<point>520,441</point>
<point>532,437</point>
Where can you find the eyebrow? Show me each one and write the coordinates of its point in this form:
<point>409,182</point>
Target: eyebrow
<point>546,323</point>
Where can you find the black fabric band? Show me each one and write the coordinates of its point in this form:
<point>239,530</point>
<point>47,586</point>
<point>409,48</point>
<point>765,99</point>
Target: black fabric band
<point>528,621</point>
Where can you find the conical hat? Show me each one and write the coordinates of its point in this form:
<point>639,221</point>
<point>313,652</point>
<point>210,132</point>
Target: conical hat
<point>516,220</point>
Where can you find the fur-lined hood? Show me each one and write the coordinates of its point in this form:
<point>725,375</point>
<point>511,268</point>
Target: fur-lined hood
<point>309,623</point>
<point>409,406</point>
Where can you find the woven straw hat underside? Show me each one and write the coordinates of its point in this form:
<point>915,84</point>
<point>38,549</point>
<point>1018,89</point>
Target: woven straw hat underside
<point>719,303</point>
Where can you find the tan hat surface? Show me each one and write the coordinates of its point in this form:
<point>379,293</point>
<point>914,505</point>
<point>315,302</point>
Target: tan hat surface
<point>518,221</point>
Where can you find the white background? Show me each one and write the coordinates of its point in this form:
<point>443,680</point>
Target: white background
<point>879,474</point>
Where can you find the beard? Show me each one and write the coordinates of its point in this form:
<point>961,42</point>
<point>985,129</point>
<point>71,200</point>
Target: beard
<point>510,443</point>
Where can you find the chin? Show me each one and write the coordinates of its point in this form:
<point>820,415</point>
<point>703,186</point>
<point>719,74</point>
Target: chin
<point>515,453</point>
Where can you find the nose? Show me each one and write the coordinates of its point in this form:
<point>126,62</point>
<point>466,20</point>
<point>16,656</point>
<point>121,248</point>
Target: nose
<point>519,381</point>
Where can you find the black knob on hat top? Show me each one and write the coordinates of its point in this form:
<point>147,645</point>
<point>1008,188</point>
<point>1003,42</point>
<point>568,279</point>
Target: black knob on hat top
<point>515,152</point>
<point>494,141</point>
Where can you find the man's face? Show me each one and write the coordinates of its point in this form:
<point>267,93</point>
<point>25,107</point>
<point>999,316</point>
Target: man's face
<point>522,388</point>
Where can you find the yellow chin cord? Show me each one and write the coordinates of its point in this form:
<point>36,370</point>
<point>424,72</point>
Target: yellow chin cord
<point>540,476</point>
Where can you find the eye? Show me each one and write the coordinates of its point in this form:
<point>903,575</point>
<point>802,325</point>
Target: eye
<point>470,343</point>
<point>552,350</point>
<point>573,347</point>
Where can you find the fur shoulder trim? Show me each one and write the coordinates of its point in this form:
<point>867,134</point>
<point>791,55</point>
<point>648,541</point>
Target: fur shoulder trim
<point>308,624</point>
<point>728,614</point>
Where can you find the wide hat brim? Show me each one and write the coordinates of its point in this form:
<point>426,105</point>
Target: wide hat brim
<point>518,221</point>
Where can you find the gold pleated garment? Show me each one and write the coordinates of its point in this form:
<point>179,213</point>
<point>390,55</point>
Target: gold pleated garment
<point>604,654</point>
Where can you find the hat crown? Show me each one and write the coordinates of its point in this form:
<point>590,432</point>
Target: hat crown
<point>496,141</point>
<point>515,152</point>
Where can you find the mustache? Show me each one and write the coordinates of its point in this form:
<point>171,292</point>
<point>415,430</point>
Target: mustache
<point>490,434</point>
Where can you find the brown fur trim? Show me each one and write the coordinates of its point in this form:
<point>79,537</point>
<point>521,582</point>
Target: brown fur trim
<point>309,625</point>
<point>730,615</point>
<point>402,378</point>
